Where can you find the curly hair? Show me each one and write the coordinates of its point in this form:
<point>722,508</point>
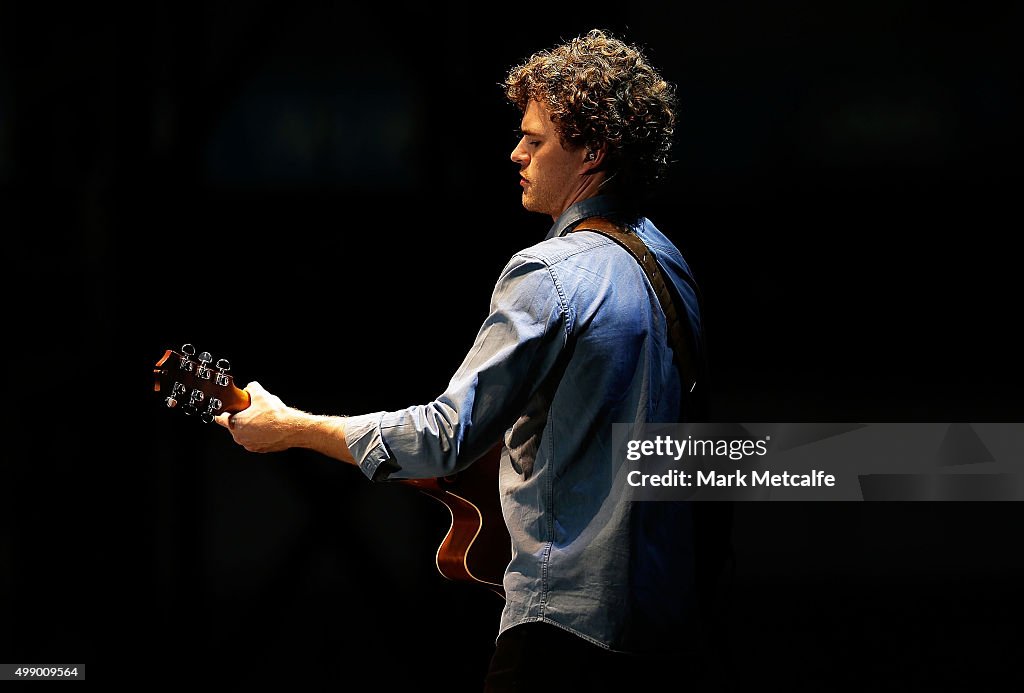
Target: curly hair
<point>602,91</point>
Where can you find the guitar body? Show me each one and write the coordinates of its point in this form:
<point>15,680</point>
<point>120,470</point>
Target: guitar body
<point>477,547</point>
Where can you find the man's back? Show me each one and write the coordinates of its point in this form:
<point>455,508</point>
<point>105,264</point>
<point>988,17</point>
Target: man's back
<point>614,572</point>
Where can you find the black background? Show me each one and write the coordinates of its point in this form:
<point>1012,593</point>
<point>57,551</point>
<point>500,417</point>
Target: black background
<point>322,194</point>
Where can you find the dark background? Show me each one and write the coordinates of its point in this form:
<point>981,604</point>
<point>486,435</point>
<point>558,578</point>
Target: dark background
<point>323,195</point>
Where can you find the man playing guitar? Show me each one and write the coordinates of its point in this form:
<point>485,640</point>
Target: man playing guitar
<point>600,592</point>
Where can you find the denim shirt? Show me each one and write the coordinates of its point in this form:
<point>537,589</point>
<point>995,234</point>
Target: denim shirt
<point>574,342</point>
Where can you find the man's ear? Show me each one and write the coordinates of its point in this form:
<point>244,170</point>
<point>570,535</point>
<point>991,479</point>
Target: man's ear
<point>593,158</point>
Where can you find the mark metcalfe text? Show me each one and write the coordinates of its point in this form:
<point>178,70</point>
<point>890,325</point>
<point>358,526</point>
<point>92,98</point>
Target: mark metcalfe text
<point>676,449</point>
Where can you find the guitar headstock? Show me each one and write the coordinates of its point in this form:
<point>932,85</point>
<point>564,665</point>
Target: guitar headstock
<point>197,385</point>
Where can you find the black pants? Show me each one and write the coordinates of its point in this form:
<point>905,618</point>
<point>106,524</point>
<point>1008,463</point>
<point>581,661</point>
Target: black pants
<point>541,658</point>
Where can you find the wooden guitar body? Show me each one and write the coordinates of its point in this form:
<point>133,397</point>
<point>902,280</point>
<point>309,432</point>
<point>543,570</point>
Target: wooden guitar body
<point>477,547</point>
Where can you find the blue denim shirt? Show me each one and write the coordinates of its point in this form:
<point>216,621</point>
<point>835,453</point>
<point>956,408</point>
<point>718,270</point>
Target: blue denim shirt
<point>571,345</point>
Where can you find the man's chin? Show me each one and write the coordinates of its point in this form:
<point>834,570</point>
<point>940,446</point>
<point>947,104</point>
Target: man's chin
<point>528,204</point>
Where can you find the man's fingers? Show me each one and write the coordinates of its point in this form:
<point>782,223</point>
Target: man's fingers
<point>223,419</point>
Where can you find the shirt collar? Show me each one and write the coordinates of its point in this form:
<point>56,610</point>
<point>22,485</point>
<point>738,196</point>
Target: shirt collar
<point>600,205</point>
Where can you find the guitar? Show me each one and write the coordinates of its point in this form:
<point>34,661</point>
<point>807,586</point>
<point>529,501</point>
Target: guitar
<point>476,549</point>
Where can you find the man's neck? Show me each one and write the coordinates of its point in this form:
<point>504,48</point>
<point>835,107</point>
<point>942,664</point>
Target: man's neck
<point>597,205</point>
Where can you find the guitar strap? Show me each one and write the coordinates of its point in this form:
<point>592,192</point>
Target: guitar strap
<point>679,333</point>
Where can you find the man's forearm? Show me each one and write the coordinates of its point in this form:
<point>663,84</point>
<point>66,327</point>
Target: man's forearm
<point>323,434</point>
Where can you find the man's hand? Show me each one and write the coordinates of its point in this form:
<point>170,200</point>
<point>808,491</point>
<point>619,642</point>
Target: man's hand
<point>266,425</point>
<point>270,425</point>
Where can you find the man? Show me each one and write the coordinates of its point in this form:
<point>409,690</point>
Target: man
<point>600,591</point>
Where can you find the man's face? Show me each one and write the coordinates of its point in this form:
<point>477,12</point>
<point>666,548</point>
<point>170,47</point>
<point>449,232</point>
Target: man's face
<point>551,179</point>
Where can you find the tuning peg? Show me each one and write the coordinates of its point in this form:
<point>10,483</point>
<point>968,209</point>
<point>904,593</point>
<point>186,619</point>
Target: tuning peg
<point>185,363</point>
<point>194,399</point>
<point>223,366</point>
<point>204,371</point>
<point>172,399</point>
<point>212,409</point>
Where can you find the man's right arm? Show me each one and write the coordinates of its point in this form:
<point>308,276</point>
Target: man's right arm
<point>270,425</point>
<point>514,350</point>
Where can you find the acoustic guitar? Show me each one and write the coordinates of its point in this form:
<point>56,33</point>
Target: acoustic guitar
<point>477,547</point>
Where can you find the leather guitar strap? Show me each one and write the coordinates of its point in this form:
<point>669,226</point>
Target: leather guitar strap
<point>678,327</point>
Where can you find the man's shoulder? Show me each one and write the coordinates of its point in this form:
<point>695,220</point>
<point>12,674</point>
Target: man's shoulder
<point>593,245</point>
<point>557,250</point>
